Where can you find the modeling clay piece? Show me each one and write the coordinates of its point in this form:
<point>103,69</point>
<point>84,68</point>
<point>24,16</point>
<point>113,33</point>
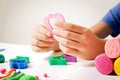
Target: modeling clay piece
<point>37,77</point>
<point>18,64</point>
<point>8,74</point>
<point>117,66</point>
<point>17,77</point>
<point>70,58</point>
<point>16,73</point>
<point>2,58</point>
<point>49,21</point>
<point>23,58</point>
<point>6,78</point>
<point>45,75</point>
<point>28,77</point>
<point>112,47</point>
<point>57,60</point>
<point>3,71</point>
<point>104,64</point>
<point>2,49</point>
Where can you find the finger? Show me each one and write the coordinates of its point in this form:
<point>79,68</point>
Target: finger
<point>71,27</point>
<point>42,37</point>
<point>42,30</point>
<point>69,43</point>
<point>71,51</point>
<point>42,43</point>
<point>69,35</point>
<point>68,50</point>
<point>40,49</point>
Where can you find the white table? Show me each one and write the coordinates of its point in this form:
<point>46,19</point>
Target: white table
<point>82,70</point>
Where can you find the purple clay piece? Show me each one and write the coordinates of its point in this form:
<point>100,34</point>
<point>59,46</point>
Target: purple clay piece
<point>70,58</point>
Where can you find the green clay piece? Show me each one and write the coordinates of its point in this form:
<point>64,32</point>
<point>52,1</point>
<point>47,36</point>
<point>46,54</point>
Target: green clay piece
<point>57,60</point>
<point>2,58</point>
<point>21,58</point>
<point>17,77</point>
<point>28,77</point>
<point>24,57</point>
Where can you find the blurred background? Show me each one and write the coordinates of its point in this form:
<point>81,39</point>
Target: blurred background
<point>18,18</point>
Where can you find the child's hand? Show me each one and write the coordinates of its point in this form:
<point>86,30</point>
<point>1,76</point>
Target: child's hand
<point>78,41</point>
<point>42,40</point>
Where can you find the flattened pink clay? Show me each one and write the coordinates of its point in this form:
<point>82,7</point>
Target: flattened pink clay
<point>104,64</point>
<point>57,17</point>
<point>112,47</point>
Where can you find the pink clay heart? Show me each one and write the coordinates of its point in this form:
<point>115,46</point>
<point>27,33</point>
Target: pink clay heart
<point>49,21</point>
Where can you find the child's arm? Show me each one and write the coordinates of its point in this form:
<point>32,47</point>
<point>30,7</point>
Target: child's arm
<point>101,29</point>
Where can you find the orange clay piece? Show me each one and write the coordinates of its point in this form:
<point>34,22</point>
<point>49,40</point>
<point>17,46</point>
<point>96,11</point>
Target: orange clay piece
<point>8,74</point>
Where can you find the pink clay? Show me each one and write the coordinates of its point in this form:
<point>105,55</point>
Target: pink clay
<point>104,64</point>
<point>112,47</point>
<point>3,71</point>
<point>47,19</point>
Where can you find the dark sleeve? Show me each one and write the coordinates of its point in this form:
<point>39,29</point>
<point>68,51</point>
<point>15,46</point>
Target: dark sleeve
<point>112,18</point>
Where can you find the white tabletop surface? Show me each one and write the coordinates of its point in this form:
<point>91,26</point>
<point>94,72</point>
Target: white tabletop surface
<point>82,70</point>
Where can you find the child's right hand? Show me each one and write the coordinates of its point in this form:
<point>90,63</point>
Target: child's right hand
<point>78,41</point>
<point>42,40</point>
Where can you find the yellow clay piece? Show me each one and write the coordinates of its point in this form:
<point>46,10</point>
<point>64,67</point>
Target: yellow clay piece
<point>117,66</point>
